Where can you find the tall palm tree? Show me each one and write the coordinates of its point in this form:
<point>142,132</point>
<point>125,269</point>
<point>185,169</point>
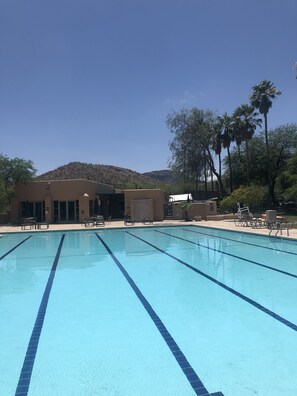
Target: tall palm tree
<point>246,123</point>
<point>261,98</point>
<point>227,135</point>
<point>217,144</point>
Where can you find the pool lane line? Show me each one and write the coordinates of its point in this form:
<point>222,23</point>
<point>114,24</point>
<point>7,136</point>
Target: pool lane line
<point>27,369</point>
<point>229,254</point>
<point>11,250</point>
<point>189,372</point>
<point>267,311</point>
<point>246,243</point>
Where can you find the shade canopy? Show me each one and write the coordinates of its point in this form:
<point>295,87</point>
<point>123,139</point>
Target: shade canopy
<point>180,197</point>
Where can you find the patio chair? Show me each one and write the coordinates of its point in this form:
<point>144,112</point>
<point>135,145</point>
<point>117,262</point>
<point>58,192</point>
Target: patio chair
<point>244,216</point>
<point>29,222</point>
<point>129,220</point>
<point>147,220</point>
<point>99,220</point>
<point>41,224</point>
<point>243,211</point>
<point>89,222</point>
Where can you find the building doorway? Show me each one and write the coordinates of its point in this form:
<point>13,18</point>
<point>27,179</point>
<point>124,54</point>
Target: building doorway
<point>66,211</point>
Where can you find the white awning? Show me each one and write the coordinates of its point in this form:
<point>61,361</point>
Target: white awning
<point>180,197</point>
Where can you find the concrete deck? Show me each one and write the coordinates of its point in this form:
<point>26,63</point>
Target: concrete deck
<point>225,224</point>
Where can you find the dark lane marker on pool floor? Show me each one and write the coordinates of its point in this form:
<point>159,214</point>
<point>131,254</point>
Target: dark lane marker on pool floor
<point>11,250</point>
<point>27,369</point>
<point>189,372</point>
<point>267,311</point>
<point>229,254</point>
<point>237,241</point>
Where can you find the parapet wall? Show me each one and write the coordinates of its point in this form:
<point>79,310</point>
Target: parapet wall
<point>202,209</point>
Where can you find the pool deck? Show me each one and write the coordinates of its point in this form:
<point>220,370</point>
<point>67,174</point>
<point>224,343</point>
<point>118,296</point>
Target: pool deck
<point>222,224</point>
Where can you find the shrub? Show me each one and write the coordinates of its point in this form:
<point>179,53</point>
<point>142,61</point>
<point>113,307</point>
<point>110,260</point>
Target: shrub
<point>253,196</point>
<point>184,207</point>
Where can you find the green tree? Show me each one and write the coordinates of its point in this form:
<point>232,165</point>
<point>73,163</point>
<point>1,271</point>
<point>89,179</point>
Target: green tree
<point>287,180</point>
<point>283,142</point>
<point>186,161</point>
<point>191,146</point>
<point>246,123</point>
<point>12,172</point>
<point>261,98</point>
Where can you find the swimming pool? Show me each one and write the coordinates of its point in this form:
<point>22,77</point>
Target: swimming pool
<point>148,311</point>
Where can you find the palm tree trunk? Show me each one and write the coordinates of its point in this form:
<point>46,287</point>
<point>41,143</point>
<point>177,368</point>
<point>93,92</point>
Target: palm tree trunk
<point>205,181</point>
<point>222,191</point>
<point>220,165</point>
<point>247,153</point>
<point>212,184</point>
<point>230,169</point>
<point>196,184</point>
<point>268,160</point>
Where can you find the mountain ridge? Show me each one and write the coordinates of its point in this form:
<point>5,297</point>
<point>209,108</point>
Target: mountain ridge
<point>107,174</point>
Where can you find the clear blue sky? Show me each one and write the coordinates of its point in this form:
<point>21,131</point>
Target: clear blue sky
<point>94,80</point>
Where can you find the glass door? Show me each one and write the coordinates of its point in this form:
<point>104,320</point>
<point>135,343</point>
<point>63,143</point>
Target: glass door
<point>66,211</point>
<point>63,211</point>
<point>71,211</point>
<point>38,211</point>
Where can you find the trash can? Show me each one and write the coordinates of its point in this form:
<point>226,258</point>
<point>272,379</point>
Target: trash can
<point>270,216</point>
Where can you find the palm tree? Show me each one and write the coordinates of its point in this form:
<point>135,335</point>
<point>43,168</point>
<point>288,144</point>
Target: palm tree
<point>261,98</point>
<point>217,144</point>
<point>246,124</point>
<point>227,136</point>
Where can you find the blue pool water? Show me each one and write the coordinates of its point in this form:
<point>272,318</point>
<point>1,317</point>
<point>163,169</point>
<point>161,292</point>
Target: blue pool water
<point>174,311</point>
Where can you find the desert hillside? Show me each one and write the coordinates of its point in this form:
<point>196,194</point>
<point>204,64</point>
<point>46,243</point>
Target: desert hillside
<point>108,174</point>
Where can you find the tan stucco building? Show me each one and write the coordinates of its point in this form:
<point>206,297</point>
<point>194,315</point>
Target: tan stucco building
<point>71,201</point>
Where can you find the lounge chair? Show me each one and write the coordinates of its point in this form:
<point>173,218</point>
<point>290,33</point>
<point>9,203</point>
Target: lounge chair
<point>29,222</point>
<point>147,220</point>
<point>99,220</point>
<point>89,222</point>
<point>41,224</point>
<point>129,220</point>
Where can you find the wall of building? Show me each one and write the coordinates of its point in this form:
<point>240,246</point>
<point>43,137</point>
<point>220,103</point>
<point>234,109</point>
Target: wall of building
<point>58,190</point>
<point>196,209</point>
<point>149,202</point>
<point>155,206</point>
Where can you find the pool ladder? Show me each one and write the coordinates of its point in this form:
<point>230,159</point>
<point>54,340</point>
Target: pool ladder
<point>279,227</point>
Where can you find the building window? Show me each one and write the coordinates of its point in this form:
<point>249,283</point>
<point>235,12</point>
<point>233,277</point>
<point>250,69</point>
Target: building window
<point>91,207</point>
<point>34,209</point>
<point>56,211</point>
<point>76,210</point>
